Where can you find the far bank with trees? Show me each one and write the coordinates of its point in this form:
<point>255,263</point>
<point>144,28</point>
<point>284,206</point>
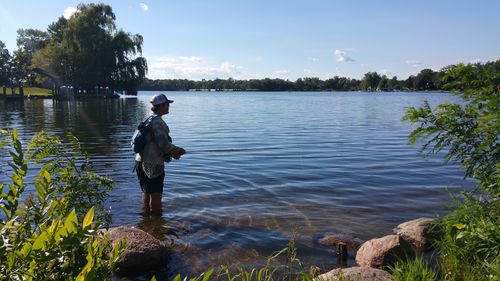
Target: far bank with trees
<point>425,80</point>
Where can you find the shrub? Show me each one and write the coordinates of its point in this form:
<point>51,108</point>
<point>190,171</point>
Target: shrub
<point>469,134</point>
<point>42,237</point>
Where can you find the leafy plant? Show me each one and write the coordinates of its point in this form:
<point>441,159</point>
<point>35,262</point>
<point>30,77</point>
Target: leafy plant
<point>469,134</point>
<point>42,237</point>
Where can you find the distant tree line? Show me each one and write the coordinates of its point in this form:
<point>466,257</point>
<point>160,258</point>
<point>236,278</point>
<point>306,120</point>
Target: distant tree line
<point>84,51</point>
<point>425,80</point>
<point>87,50</point>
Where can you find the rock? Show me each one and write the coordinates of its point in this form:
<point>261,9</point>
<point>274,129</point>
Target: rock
<point>143,253</point>
<point>355,273</point>
<point>383,251</point>
<point>416,232</point>
<point>333,239</point>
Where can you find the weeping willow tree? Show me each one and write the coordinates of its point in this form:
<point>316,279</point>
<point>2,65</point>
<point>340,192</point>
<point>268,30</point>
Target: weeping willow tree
<point>87,50</point>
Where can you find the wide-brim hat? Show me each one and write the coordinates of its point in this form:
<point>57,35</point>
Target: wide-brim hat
<point>160,99</point>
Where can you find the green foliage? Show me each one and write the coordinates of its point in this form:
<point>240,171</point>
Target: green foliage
<point>468,133</point>
<point>413,270</point>
<point>42,238</point>
<point>87,51</point>
<point>370,81</point>
<point>4,64</point>
<point>470,240</point>
<point>72,173</point>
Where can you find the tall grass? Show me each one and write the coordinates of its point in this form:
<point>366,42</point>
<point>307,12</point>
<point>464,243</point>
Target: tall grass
<point>413,270</point>
<point>470,240</point>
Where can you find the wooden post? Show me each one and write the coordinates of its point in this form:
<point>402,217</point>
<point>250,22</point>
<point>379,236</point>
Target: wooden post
<point>4,89</point>
<point>342,254</point>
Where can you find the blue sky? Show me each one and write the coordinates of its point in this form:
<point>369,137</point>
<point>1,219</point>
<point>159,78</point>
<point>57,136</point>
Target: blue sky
<point>289,39</point>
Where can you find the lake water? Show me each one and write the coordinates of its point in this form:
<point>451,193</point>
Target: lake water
<point>259,167</point>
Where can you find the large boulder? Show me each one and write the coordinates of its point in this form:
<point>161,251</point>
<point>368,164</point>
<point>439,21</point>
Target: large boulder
<point>385,251</point>
<point>355,274</point>
<point>416,232</point>
<point>143,253</point>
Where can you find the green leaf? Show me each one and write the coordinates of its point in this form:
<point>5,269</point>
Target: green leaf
<point>26,250</point>
<point>207,274</point>
<point>40,241</point>
<point>153,278</point>
<point>89,217</point>
<point>71,222</point>
<point>17,179</point>
<point>459,226</point>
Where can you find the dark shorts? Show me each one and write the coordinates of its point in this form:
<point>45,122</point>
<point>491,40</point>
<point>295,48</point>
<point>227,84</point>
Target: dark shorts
<point>154,185</point>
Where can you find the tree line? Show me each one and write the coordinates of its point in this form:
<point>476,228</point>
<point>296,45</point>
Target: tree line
<point>425,80</point>
<point>88,51</point>
<point>85,51</point>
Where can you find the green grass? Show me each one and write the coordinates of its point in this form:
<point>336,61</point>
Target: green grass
<point>413,270</point>
<point>470,243</point>
<point>31,91</point>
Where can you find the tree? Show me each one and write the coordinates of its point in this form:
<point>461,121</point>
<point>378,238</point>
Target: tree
<point>383,83</point>
<point>86,51</point>
<point>393,84</point>
<point>409,83</point>
<point>29,41</point>
<point>4,64</point>
<point>425,80</point>
<point>370,81</point>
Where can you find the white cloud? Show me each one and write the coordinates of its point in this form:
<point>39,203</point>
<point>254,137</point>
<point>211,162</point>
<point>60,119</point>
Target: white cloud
<point>144,7</point>
<point>475,61</point>
<point>193,68</point>
<point>493,58</point>
<point>413,63</point>
<point>314,59</point>
<point>342,56</point>
<point>281,73</point>
<point>385,72</point>
<point>68,12</point>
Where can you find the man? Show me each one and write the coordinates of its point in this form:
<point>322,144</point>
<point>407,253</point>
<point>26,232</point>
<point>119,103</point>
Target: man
<point>150,166</point>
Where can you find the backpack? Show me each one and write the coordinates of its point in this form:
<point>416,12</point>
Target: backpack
<point>139,138</point>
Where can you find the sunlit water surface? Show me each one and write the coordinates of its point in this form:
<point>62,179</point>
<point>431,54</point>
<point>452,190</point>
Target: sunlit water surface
<point>259,167</point>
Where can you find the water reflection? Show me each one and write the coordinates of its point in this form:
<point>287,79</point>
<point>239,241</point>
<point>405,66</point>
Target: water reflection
<point>259,166</point>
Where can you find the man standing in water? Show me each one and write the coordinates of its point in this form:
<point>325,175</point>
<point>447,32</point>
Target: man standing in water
<point>150,166</point>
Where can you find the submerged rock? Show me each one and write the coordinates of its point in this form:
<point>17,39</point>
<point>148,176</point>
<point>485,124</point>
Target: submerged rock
<point>383,251</point>
<point>143,253</point>
<point>355,273</point>
<point>353,243</point>
<point>416,232</point>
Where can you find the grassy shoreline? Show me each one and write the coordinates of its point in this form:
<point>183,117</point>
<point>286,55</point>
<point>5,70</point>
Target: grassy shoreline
<point>31,91</point>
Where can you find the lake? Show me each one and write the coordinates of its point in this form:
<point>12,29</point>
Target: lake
<point>259,167</point>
